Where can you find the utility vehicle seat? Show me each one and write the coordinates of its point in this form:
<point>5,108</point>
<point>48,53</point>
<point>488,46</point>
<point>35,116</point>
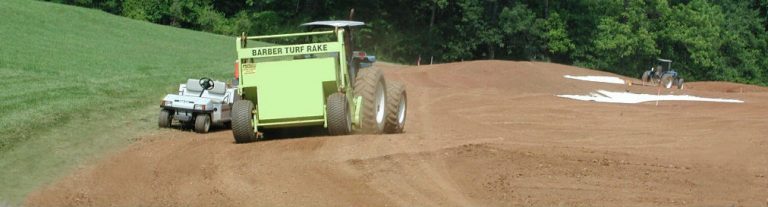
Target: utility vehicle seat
<point>218,92</point>
<point>193,88</point>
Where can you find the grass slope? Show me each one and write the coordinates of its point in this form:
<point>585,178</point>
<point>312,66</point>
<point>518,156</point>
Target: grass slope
<point>77,81</point>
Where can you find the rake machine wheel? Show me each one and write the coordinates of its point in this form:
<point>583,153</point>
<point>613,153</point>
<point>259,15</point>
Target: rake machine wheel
<point>337,110</point>
<point>242,121</point>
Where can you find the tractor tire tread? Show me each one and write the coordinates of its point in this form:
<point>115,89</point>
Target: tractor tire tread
<point>667,79</point>
<point>365,86</point>
<point>396,92</point>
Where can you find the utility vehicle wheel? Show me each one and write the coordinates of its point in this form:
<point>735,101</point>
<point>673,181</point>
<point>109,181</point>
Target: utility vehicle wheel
<point>667,80</point>
<point>242,121</point>
<point>646,76</point>
<point>202,123</point>
<point>371,86</point>
<point>680,84</point>
<point>397,103</point>
<point>337,110</point>
<point>164,120</point>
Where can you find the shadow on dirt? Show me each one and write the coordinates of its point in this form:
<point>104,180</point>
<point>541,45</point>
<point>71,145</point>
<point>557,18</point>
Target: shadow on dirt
<point>191,127</point>
<point>294,133</point>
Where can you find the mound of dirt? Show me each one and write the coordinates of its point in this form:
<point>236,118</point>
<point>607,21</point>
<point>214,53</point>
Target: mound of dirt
<point>481,133</point>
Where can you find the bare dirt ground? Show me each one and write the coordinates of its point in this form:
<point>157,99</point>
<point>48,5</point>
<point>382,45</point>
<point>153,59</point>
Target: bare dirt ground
<point>484,133</point>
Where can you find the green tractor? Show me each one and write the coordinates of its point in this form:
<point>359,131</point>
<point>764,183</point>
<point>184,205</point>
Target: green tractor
<point>315,80</point>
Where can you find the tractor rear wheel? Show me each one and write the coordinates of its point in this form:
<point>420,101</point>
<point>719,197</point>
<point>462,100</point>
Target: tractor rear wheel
<point>242,121</point>
<point>646,76</point>
<point>680,84</point>
<point>337,110</point>
<point>397,103</point>
<point>164,120</point>
<point>371,87</point>
<point>667,80</point>
<point>202,123</point>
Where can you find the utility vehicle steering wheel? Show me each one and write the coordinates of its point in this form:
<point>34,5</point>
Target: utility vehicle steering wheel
<point>206,83</point>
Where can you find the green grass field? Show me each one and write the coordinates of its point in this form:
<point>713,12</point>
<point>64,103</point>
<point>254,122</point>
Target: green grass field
<point>77,82</point>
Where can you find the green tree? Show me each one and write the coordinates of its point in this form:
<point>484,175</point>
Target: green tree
<point>472,31</point>
<point>559,43</point>
<point>147,10</point>
<point>693,37</point>
<point>523,33</point>
<point>707,39</point>
<point>624,43</point>
<point>211,20</point>
<point>744,42</point>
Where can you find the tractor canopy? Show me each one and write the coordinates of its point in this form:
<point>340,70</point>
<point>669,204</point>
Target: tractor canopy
<point>335,23</point>
<point>664,65</point>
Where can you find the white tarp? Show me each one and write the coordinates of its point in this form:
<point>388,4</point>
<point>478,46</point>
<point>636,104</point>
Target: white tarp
<point>602,79</point>
<point>626,97</point>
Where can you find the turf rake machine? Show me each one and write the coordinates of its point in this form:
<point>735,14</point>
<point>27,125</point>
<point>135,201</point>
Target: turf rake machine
<point>313,78</point>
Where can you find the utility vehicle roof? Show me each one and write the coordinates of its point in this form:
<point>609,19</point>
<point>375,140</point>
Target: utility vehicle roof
<point>664,60</point>
<point>335,23</point>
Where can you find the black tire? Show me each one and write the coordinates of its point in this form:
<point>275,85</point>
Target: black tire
<point>371,86</point>
<point>164,119</point>
<point>645,77</point>
<point>667,80</point>
<point>337,112</point>
<point>397,103</point>
<point>202,123</point>
<point>242,121</point>
<point>680,84</point>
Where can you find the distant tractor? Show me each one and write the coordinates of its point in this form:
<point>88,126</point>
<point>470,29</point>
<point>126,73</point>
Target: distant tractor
<point>663,74</point>
<point>199,103</point>
<point>316,80</point>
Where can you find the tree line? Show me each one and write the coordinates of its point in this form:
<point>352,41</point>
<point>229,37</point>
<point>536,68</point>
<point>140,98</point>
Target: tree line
<point>706,39</point>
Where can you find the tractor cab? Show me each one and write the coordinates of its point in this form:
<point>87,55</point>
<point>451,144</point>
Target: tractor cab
<point>355,59</point>
<point>662,65</point>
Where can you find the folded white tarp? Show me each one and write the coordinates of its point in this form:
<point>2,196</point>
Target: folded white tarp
<point>626,97</point>
<point>602,79</point>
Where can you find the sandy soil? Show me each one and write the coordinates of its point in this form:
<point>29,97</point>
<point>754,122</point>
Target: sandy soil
<point>484,133</point>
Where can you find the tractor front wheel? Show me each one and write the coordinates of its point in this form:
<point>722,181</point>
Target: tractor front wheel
<point>370,85</point>
<point>164,120</point>
<point>202,123</point>
<point>667,80</point>
<point>242,121</point>
<point>397,103</point>
<point>337,110</point>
